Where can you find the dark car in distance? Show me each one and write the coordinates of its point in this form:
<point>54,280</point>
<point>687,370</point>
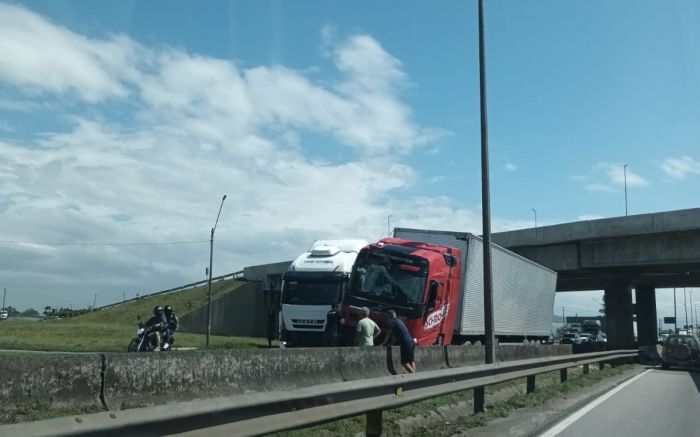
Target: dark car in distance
<point>681,351</point>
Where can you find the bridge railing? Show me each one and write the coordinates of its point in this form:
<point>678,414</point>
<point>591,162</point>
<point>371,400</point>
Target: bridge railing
<point>263,413</point>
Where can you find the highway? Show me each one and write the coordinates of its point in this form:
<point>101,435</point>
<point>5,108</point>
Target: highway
<point>654,403</point>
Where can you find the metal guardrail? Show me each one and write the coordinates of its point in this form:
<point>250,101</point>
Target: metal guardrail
<point>238,274</point>
<point>263,413</point>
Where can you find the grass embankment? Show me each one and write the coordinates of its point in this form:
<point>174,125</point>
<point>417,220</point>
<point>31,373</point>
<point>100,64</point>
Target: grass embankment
<point>548,388</point>
<point>110,330</point>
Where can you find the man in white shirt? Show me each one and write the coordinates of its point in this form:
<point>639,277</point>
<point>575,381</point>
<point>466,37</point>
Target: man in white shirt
<point>367,330</point>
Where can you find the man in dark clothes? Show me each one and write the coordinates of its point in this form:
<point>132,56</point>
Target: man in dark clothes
<point>399,334</point>
<point>331,334</point>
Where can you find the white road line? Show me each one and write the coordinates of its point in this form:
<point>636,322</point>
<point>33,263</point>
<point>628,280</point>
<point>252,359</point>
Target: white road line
<point>561,426</point>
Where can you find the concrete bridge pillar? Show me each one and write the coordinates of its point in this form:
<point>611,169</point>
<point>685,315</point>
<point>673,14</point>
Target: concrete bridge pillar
<point>618,316</point>
<point>647,333</point>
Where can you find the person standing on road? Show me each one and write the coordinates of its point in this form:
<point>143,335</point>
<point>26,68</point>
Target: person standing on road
<point>399,334</point>
<point>367,330</point>
<point>331,334</point>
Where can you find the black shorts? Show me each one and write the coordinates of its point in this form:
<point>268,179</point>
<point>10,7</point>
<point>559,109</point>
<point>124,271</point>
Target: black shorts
<point>408,353</point>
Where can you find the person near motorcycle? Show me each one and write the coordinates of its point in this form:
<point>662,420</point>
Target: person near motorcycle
<point>156,324</point>
<point>171,324</point>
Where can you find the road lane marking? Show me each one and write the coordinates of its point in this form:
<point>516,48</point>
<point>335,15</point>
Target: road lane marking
<point>561,426</point>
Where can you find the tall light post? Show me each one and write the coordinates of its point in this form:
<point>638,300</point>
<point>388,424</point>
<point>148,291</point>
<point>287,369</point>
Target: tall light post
<point>692,319</point>
<point>675,317</point>
<point>489,338</point>
<point>685,305</point>
<point>625,170</point>
<point>4,293</point>
<point>211,259</point>
<point>535,211</point>
<point>388,225</point>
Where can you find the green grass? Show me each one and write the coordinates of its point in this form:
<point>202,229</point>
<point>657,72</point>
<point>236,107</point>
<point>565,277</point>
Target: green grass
<point>110,330</point>
<point>548,389</point>
<point>41,410</point>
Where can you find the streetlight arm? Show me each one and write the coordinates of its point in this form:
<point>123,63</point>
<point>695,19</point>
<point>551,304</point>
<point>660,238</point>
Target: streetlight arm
<point>217,216</point>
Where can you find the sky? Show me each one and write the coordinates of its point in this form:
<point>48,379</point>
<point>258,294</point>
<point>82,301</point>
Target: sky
<point>123,123</point>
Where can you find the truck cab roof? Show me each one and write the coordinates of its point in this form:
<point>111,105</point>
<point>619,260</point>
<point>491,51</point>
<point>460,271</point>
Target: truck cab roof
<point>329,256</point>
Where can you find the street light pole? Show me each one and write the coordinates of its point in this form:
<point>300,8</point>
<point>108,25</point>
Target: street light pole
<point>692,319</point>
<point>4,293</point>
<point>675,317</point>
<point>489,338</point>
<point>211,260</point>
<point>535,211</point>
<point>388,225</point>
<point>625,170</point>
<point>685,305</point>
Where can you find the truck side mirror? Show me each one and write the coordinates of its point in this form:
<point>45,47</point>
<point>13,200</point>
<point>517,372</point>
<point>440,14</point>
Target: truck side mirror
<point>432,294</point>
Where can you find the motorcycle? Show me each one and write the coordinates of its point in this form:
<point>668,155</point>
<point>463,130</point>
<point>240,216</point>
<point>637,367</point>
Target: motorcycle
<point>145,340</point>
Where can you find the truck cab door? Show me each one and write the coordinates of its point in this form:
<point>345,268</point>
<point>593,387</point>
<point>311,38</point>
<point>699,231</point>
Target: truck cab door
<point>436,309</point>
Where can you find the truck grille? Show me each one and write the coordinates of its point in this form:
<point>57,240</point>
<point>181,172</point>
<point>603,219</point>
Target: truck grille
<point>308,323</point>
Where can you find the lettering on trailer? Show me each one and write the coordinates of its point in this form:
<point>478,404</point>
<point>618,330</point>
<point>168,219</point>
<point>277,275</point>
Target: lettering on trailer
<point>318,261</point>
<point>436,316</point>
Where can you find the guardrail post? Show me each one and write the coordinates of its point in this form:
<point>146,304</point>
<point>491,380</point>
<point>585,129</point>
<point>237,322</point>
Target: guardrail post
<point>374,423</point>
<point>586,369</point>
<point>530,384</point>
<point>479,399</point>
<point>563,375</point>
<point>601,365</point>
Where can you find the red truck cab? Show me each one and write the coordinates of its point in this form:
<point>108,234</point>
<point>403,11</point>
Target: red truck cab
<point>419,281</point>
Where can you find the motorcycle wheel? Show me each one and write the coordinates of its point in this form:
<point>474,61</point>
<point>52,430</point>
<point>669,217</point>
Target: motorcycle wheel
<point>133,345</point>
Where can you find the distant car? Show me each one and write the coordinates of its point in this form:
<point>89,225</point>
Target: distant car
<point>571,338</point>
<point>587,338</point>
<point>3,315</point>
<point>681,351</point>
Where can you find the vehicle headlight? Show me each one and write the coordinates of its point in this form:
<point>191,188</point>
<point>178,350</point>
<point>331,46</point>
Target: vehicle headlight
<point>140,331</point>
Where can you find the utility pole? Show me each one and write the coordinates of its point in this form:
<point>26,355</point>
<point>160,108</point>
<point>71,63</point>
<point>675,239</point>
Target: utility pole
<point>489,337</point>
<point>675,317</point>
<point>124,297</point>
<point>563,315</point>
<point>4,293</point>
<point>625,170</point>
<point>692,319</point>
<point>388,225</point>
<point>94,301</point>
<point>685,305</point>
<point>211,260</point>
<point>535,211</point>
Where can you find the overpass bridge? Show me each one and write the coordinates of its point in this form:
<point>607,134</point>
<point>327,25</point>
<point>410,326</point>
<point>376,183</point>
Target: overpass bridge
<point>641,252</point>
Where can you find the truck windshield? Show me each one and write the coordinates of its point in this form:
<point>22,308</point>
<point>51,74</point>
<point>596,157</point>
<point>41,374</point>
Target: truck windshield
<point>312,292</point>
<point>379,276</point>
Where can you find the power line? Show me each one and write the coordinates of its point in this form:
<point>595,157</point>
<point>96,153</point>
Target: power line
<point>141,243</point>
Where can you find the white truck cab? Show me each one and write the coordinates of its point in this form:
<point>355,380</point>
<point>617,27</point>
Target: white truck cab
<point>314,282</point>
<point>3,314</point>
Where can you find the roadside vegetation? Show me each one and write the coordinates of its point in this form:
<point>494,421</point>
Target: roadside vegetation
<point>110,330</point>
<point>450,414</point>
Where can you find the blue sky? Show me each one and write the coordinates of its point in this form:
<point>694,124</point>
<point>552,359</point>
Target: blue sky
<point>126,121</point>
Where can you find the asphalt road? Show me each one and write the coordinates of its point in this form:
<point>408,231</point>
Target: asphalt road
<point>655,403</point>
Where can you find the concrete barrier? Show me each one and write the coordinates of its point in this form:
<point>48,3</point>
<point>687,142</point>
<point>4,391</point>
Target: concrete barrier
<point>133,380</point>
<point>364,362</point>
<point>458,356</point>
<point>427,358</point>
<point>59,379</point>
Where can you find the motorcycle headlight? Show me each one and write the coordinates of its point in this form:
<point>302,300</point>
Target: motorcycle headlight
<point>140,331</point>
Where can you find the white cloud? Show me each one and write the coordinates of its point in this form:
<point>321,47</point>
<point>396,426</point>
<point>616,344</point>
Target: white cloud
<point>201,127</point>
<point>609,177</point>
<point>510,166</point>
<point>39,56</point>
<point>617,175</point>
<point>680,168</point>
<point>586,217</point>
